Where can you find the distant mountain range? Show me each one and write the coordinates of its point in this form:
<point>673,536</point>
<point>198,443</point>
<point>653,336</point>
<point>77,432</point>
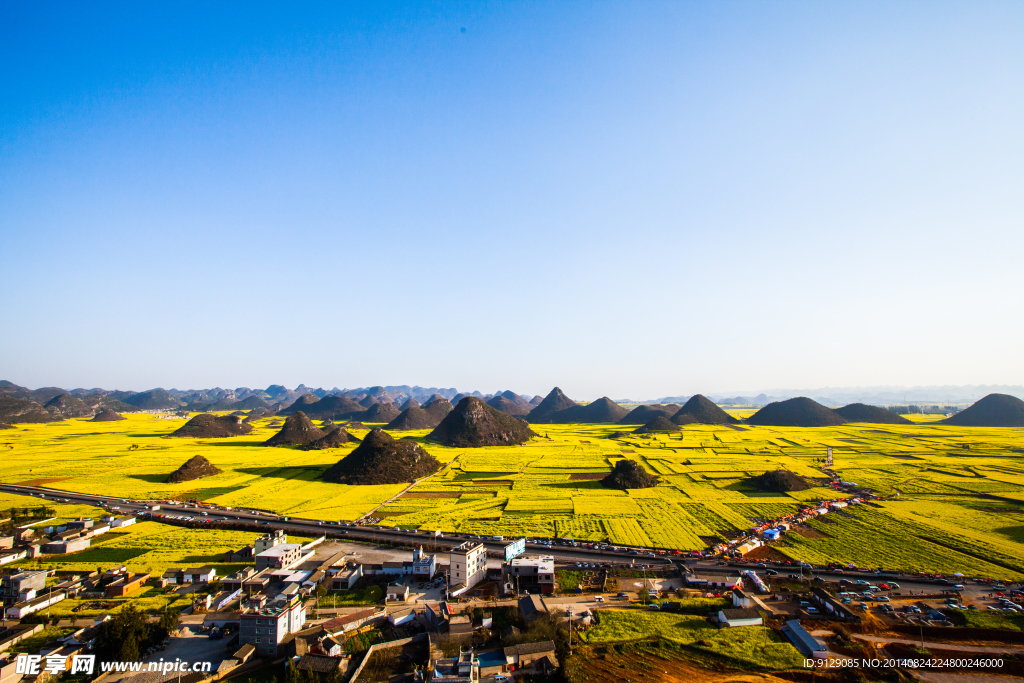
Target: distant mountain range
<point>279,396</point>
<point>879,395</point>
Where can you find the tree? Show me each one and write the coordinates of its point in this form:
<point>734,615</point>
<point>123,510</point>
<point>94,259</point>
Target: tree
<point>169,620</point>
<point>121,638</point>
<point>293,675</point>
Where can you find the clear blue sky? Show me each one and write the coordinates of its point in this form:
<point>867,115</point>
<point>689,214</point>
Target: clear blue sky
<point>632,199</point>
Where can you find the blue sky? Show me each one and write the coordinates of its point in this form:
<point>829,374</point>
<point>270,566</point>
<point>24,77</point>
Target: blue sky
<point>632,199</point>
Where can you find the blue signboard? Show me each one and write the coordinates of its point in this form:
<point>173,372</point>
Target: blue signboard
<point>515,549</point>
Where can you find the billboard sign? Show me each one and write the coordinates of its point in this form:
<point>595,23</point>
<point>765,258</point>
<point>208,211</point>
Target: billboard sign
<point>515,549</point>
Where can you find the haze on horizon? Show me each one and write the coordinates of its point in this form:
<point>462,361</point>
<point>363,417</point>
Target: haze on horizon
<point>622,199</point>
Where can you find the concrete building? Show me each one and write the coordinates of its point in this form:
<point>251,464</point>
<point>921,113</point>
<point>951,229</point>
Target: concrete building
<point>13,555</point>
<point>268,541</point>
<point>398,591</point>
<point>265,628</point>
<point>739,617</point>
<point>200,575</point>
<point>530,574</point>
<point>423,565</point>
<point>462,669</point>
<point>21,586</point>
<point>538,658</point>
<point>280,556</point>
<point>63,547</point>
<point>467,564</point>
<point>126,585</point>
<point>25,607</point>
<point>804,641</point>
<point>347,577</point>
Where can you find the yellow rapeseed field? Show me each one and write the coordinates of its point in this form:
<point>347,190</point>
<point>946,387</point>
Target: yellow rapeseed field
<point>953,494</point>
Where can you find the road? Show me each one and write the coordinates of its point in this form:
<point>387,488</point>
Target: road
<point>563,554</point>
<point>981,649</point>
<point>264,521</point>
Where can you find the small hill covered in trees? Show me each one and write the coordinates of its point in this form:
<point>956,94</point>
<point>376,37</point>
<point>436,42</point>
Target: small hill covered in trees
<point>334,437</point>
<point>298,430</point>
<point>196,468</point>
<point>641,415</point>
<point>860,412</point>
<point>780,481</point>
<point>473,423</point>
<point>796,412</point>
<point>426,417</point>
<point>658,424</point>
<point>628,474</point>
<point>380,459</point>
<point>995,410</point>
<point>508,406</point>
<point>603,410</point>
<point>302,403</point>
<point>554,402</point>
<point>65,405</point>
<point>154,399</point>
<point>209,426</point>
<point>378,412</point>
<point>15,410</point>
<point>700,410</point>
<point>107,415</point>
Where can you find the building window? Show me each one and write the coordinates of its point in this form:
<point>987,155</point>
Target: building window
<point>257,641</point>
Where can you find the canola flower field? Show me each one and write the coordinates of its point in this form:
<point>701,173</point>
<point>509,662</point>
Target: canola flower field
<point>953,497</point>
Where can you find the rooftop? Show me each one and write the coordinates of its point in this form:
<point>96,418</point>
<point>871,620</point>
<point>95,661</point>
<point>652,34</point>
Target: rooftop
<point>280,550</point>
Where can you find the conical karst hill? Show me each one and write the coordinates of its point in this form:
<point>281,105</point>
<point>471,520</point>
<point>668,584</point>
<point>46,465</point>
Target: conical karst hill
<point>796,412</point>
<point>995,410</point>
<point>380,459</point>
<point>210,426</point>
<point>860,412</point>
<point>195,468</point>
<point>298,430</point>
<point>473,423</point>
<point>700,410</point>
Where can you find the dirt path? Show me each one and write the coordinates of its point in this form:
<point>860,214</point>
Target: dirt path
<point>1001,650</point>
<point>409,488</point>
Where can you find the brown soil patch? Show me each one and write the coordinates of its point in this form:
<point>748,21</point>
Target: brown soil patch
<point>582,441</point>
<point>42,482</point>
<point>767,554</point>
<point>587,475</point>
<point>603,665</point>
<point>809,532</point>
<point>431,494</point>
<point>625,451</point>
<point>710,540</point>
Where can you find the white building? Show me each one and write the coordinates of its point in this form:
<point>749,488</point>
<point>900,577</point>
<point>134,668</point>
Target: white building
<point>268,541</point>
<point>467,564</point>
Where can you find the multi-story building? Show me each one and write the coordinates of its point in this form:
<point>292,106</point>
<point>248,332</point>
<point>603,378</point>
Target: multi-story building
<point>21,586</point>
<point>423,565</point>
<point>467,565</point>
<point>264,628</point>
<point>281,556</point>
<point>268,541</point>
<point>530,574</point>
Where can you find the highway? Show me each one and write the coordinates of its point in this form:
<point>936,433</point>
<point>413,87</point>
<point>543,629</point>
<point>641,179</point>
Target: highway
<point>563,554</point>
